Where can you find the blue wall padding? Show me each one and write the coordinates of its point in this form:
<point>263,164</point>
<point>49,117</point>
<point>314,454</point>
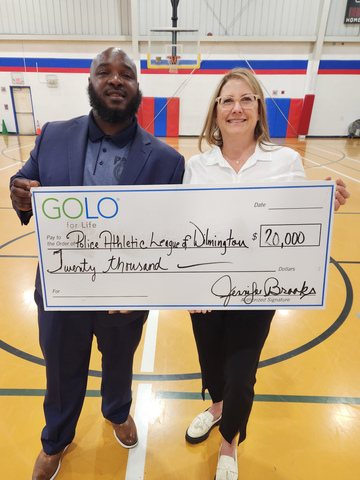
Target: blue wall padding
<point>271,115</point>
<point>161,120</point>
<point>277,123</point>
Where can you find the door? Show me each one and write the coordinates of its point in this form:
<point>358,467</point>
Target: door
<point>24,116</point>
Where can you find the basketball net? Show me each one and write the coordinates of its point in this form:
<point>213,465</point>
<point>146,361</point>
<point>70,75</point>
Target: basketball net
<point>173,61</point>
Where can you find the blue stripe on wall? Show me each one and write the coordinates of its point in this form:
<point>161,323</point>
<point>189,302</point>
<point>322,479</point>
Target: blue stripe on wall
<point>11,62</point>
<point>255,64</point>
<point>284,65</point>
<point>205,64</point>
<point>46,62</point>
<point>58,62</point>
<point>161,120</point>
<point>339,65</point>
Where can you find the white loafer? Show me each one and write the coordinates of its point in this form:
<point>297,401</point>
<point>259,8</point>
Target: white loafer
<point>201,427</point>
<point>227,468</point>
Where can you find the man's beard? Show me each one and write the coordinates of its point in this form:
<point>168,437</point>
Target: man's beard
<point>112,115</point>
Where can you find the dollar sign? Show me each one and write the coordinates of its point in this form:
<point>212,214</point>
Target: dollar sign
<point>254,236</point>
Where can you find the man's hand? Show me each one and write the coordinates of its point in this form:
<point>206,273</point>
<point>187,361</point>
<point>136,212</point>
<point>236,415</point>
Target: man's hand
<point>341,193</point>
<point>20,193</point>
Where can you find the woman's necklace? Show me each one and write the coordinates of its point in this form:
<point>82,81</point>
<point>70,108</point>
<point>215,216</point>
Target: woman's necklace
<point>236,161</point>
<point>230,160</point>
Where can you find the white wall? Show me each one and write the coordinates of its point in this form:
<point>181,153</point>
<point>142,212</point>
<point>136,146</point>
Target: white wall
<point>336,106</point>
<point>337,97</point>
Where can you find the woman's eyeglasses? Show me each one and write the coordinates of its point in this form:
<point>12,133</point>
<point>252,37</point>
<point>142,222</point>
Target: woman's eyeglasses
<point>246,101</point>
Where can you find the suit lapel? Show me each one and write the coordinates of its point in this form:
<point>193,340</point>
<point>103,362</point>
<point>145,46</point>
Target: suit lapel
<point>77,145</point>
<point>138,155</point>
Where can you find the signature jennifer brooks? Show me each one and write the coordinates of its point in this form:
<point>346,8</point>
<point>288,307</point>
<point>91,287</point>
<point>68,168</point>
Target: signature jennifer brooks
<point>223,288</point>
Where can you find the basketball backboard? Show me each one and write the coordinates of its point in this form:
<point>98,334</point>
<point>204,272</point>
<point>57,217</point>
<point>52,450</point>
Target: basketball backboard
<point>173,48</point>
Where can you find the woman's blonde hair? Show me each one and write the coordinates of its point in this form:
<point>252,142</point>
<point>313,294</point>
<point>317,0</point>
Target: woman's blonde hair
<point>211,132</point>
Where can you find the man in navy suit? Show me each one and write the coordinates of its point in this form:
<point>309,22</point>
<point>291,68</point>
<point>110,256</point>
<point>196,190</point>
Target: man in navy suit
<point>106,147</point>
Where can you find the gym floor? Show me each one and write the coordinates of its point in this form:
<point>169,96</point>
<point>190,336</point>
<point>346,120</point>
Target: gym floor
<point>305,422</point>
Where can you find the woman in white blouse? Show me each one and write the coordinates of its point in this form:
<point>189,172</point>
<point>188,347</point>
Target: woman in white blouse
<point>229,342</point>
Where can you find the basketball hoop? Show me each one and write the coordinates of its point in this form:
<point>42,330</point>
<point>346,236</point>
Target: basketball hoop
<point>173,61</point>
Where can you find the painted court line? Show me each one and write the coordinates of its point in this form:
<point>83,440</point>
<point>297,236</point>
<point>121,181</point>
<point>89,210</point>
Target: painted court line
<point>353,159</point>
<point>18,148</point>
<point>9,166</point>
<point>326,151</point>
<point>148,358</point>
<point>332,153</point>
<point>331,170</point>
<point>136,460</point>
<point>162,395</point>
<point>266,398</point>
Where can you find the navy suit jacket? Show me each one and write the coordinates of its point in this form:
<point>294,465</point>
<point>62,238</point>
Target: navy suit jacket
<point>58,159</point>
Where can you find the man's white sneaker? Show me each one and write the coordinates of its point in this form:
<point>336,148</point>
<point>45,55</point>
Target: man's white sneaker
<point>201,427</point>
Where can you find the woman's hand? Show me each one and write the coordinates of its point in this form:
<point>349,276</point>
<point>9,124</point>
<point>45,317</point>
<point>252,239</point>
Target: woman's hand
<point>341,193</point>
<point>199,311</point>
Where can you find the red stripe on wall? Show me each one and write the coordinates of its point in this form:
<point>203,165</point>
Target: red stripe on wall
<point>295,111</point>
<point>45,70</point>
<point>280,72</point>
<point>58,70</point>
<point>306,114</point>
<point>339,72</point>
<point>12,69</point>
<point>162,71</point>
<point>183,72</point>
<point>173,109</point>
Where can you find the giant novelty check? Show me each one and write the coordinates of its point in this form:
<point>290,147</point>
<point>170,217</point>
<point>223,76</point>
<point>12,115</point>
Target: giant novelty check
<point>184,247</point>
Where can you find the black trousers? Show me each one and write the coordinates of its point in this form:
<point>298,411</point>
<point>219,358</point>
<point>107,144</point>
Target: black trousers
<point>229,345</point>
<point>66,340</point>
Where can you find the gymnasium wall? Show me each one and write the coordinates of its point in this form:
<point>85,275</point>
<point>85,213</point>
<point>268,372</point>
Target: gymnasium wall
<point>283,68</point>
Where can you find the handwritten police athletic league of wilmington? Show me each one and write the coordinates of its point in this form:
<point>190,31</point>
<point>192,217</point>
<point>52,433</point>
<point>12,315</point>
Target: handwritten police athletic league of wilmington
<point>184,247</point>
